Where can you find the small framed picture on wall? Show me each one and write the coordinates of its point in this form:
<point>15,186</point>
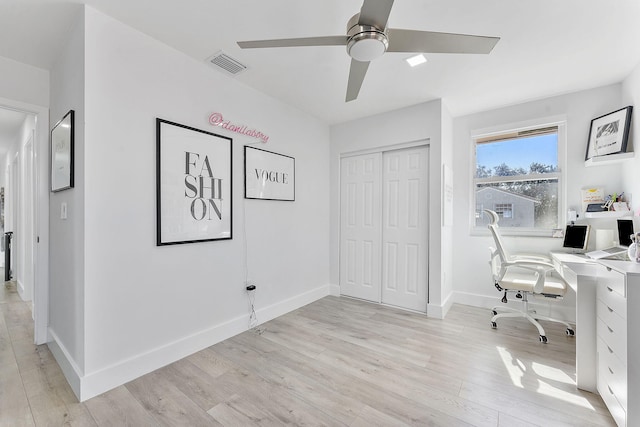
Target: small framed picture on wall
<point>193,182</point>
<point>268,175</point>
<point>609,133</point>
<point>62,141</point>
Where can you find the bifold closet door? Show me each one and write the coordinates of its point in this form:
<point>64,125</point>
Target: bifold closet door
<point>360,226</point>
<point>405,219</point>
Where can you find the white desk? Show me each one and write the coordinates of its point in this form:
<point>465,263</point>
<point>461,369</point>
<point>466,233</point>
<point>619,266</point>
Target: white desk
<point>607,347</point>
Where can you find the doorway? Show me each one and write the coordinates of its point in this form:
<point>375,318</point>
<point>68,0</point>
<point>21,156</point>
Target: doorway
<point>26,189</point>
<point>384,227</point>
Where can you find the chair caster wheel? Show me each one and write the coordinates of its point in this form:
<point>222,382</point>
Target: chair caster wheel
<point>570,332</point>
<point>543,339</point>
<point>494,325</point>
<point>495,313</point>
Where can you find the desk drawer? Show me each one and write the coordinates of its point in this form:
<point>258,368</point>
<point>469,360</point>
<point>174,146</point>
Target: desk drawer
<point>614,374</point>
<point>608,395</point>
<point>613,300</point>
<point>613,281</point>
<point>610,317</point>
<point>614,339</point>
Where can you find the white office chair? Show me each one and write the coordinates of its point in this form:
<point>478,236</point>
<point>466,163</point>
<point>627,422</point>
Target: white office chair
<point>523,275</point>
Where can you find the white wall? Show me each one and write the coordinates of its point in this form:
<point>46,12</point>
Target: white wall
<point>145,306</point>
<point>24,83</point>
<point>446,238</point>
<point>631,96</point>
<point>473,283</point>
<point>66,248</point>
<point>423,122</point>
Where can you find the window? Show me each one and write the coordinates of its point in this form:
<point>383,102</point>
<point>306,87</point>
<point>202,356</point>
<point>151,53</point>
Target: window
<point>504,210</point>
<point>518,175</point>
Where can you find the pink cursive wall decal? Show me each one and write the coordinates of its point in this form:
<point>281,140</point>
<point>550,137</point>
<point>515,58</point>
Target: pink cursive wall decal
<point>216,119</point>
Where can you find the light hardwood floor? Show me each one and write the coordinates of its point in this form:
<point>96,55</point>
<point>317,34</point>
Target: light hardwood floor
<point>334,362</point>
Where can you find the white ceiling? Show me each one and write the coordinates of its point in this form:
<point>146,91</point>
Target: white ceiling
<point>547,47</point>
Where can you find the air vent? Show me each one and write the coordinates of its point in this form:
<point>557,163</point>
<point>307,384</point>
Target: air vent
<point>223,62</point>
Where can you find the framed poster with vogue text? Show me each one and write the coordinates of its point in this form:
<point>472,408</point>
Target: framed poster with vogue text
<point>193,182</point>
<point>609,133</point>
<point>268,175</point>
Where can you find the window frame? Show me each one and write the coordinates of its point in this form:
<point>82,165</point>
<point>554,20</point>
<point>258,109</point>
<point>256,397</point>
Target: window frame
<point>556,121</point>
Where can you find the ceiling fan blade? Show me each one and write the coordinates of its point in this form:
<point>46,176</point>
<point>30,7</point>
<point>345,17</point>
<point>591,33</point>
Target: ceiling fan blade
<point>432,42</point>
<point>375,13</point>
<point>356,77</point>
<point>306,41</point>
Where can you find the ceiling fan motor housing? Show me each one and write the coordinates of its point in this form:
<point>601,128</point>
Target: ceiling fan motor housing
<point>365,42</point>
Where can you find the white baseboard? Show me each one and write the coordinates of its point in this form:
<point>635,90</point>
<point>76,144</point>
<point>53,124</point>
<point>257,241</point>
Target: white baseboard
<point>288,305</point>
<point>95,383</point>
<point>542,306</point>
<point>70,369</point>
<point>334,290</point>
<point>440,311</point>
<point>20,289</point>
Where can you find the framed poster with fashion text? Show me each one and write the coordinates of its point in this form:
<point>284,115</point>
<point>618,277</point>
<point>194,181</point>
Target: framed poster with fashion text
<point>268,175</point>
<point>609,133</point>
<point>62,140</point>
<point>193,184</point>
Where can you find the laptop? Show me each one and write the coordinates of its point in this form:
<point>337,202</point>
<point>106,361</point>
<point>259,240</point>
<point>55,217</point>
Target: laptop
<point>625,230</point>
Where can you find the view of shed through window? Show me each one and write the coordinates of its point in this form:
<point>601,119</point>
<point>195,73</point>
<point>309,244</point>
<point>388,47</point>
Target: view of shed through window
<point>517,175</point>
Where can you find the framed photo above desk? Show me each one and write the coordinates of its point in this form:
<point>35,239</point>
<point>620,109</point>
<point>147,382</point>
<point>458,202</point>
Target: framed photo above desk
<point>609,133</point>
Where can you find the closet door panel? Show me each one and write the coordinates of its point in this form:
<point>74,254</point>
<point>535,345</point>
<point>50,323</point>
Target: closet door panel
<point>405,228</point>
<point>360,226</point>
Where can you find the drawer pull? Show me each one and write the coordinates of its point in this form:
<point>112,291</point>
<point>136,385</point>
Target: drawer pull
<point>609,289</point>
<point>610,330</point>
<point>610,309</point>
<point>610,391</point>
<point>608,268</point>
<point>609,348</point>
<point>610,370</point>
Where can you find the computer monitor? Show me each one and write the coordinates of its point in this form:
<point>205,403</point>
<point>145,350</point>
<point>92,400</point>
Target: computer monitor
<point>576,237</point>
<point>625,230</point>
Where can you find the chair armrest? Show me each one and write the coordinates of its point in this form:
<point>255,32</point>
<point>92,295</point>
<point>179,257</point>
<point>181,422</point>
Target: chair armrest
<point>530,263</point>
<point>539,257</point>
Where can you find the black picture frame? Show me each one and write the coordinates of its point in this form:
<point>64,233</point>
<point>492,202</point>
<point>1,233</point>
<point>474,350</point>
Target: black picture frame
<point>62,153</point>
<point>269,175</point>
<point>609,133</point>
<point>194,171</point>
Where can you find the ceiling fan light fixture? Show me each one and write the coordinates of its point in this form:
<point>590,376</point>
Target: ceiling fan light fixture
<point>367,45</point>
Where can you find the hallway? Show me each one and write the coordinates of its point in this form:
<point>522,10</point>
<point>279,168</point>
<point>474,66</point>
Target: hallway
<point>31,382</point>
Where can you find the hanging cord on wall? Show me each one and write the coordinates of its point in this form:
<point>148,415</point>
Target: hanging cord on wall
<point>244,243</point>
<point>253,318</point>
<point>250,285</point>
<point>245,251</point>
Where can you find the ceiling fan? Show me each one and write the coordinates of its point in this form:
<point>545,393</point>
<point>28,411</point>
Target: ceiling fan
<point>369,38</point>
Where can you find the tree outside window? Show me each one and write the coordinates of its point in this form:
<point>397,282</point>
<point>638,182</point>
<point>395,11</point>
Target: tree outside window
<point>517,175</point>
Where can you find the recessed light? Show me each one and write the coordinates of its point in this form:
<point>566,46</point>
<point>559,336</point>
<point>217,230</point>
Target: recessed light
<point>416,60</point>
